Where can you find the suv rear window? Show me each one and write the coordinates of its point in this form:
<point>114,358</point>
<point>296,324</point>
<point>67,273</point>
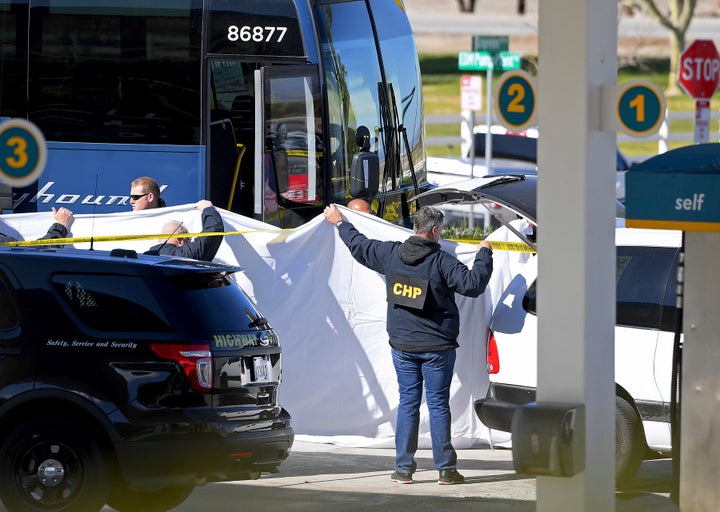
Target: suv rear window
<point>112,302</point>
<point>211,302</point>
<point>645,293</point>
<point>186,302</point>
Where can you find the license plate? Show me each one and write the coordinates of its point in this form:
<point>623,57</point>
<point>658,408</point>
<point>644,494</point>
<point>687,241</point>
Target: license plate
<point>261,369</point>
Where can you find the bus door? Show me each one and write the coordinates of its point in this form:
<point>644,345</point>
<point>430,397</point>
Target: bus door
<point>231,134</point>
<point>289,156</point>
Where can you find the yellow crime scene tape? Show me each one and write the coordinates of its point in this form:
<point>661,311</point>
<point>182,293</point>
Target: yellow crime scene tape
<point>496,245</point>
<point>501,246</point>
<point>115,238</point>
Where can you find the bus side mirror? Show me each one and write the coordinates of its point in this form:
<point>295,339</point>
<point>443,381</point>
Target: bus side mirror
<point>365,174</point>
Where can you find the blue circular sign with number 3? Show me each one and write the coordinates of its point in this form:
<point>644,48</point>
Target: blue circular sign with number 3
<point>22,153</point>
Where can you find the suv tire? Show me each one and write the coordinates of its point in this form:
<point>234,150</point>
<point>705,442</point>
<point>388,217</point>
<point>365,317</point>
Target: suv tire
<point>124,499</point>
<point>629,441</point>
<point>52,465</point>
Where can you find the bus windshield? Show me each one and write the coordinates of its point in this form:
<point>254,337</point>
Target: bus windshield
<point>352,75</point>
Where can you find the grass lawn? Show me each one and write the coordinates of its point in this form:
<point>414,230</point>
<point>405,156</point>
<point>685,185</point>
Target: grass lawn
<point>441,91</point>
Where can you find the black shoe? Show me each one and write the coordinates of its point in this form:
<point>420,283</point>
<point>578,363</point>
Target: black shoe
<point>401,478</point>
<point>450,477</point>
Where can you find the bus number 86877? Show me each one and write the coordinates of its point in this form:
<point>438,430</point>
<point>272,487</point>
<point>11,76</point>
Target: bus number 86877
<point>258,34</point>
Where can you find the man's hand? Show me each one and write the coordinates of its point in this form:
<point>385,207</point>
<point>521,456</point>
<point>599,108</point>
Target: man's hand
<point>204,203</point>
<point>332,214</point>
<point>63,216</point>
<point>484,244</point>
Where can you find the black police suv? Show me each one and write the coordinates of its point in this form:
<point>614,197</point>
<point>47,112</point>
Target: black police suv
<point>129,379</point>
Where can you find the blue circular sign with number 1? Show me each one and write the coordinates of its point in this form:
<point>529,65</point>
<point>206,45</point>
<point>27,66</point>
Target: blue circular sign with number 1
<point>22,153</point>
<point>515,99</point>
<point>640,107</point>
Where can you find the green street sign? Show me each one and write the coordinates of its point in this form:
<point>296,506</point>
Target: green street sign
<point>491,44</point>
<point>475,61</point>
<point>509,60</point>
<point>483,61</point>
<point>22,152</point>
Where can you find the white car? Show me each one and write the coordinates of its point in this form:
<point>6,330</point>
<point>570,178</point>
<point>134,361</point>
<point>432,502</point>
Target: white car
<point>645,338</point>
<point>644,341</point>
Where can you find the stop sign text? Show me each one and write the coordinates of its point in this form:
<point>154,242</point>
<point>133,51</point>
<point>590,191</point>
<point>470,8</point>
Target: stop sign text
<point>699,71</point>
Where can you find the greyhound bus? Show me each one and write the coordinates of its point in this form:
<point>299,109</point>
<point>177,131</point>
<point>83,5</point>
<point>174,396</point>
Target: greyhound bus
<point>269,108</point>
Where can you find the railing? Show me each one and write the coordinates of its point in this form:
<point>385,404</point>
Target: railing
<point>664,136</point>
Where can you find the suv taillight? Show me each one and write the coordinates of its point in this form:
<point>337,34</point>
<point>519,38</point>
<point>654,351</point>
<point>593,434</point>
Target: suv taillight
<point>493,358</point>
<point>195,360</point>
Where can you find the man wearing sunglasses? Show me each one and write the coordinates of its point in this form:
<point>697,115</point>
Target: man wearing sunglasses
<point>145,194</point>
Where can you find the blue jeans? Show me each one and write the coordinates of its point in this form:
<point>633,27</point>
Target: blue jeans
<point>436,370</point>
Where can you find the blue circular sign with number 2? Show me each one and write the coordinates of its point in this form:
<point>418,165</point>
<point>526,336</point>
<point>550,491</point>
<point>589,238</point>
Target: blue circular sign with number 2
<point>515,99</point>
<point>22,153</point>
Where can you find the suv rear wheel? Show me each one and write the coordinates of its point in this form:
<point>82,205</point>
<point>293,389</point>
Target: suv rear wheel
<point>629,441</point>
<point>124,499</point>
<point>52,465</point>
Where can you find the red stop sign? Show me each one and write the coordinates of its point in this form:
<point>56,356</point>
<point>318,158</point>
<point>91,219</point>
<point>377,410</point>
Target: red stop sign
<point>699,69</point>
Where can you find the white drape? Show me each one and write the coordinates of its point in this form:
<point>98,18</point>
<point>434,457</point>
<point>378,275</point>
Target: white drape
<point>338,379</point>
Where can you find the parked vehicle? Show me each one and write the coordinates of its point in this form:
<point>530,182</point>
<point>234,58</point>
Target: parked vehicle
<point>523,148</point>
<point>644,334</point>
<point>110,381</point>
<point>512,154</point>
<point>463,196</point>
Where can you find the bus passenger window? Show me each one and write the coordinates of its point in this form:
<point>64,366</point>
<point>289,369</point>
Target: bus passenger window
<point>115,74</point>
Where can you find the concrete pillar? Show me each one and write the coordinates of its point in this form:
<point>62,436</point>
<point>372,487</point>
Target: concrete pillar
<point>700,400</point>
<point>576,208</point>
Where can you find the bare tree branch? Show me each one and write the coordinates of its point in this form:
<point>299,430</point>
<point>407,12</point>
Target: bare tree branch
<point>674,15</point>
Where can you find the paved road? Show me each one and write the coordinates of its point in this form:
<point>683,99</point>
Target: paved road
<point>456,23</point>
<point>440,27</point>
<point>326,478</point>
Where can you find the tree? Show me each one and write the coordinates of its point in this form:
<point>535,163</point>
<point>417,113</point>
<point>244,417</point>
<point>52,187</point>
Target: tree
<point>676,16</point>
<point>468,6</point>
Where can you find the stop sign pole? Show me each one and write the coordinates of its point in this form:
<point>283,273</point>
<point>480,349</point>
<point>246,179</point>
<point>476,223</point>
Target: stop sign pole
<point>699,76</point>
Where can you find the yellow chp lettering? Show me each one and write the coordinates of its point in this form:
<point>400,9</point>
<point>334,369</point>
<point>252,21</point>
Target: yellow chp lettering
<point>406,290</point>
